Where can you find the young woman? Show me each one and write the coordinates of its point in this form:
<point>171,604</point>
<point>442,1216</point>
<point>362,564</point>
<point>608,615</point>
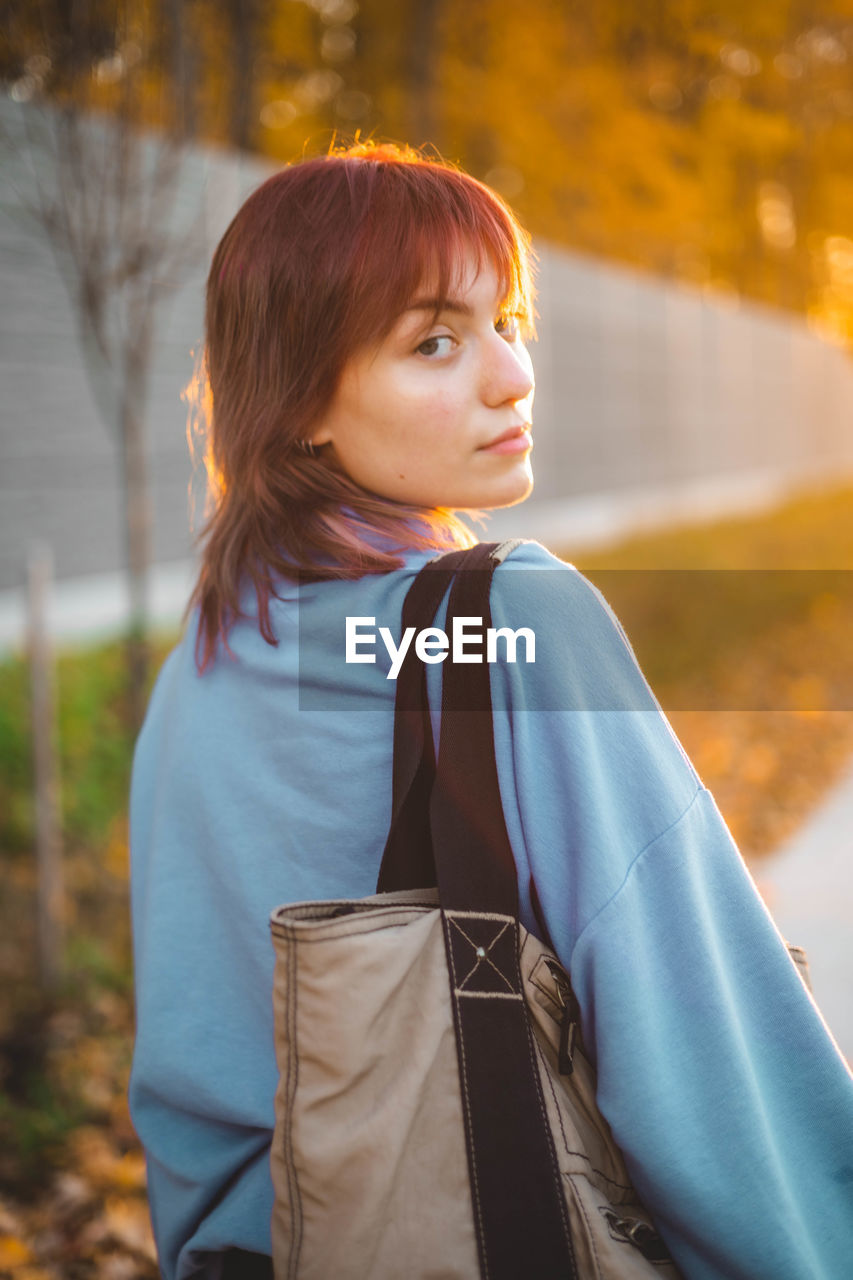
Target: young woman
<point>365,349</point>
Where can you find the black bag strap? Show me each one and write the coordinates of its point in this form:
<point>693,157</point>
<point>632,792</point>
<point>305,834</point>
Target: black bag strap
<point>407,862</point>
<point>456,815</point>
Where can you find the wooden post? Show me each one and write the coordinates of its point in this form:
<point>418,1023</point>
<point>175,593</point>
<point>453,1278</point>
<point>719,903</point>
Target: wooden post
<point>50,903</point>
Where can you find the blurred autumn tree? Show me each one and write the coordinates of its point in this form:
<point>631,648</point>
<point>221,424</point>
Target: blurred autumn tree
<point>97,153</point>
<point>707,140</point>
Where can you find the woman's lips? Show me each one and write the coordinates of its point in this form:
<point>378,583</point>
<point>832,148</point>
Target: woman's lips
<point>516,440</point>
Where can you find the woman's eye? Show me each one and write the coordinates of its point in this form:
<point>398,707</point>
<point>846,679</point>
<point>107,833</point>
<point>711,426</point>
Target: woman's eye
<point>439,345</point>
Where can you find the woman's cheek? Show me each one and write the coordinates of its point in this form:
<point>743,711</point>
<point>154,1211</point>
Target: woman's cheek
<point>445,412</point>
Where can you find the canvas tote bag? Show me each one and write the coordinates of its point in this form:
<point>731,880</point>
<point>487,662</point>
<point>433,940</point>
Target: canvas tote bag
<point>436,1114</point>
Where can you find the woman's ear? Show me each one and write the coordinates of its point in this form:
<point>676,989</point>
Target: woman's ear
<point>322,431</point>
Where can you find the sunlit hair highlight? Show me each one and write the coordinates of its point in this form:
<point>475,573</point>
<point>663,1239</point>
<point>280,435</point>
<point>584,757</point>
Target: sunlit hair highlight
<point>318,264</point>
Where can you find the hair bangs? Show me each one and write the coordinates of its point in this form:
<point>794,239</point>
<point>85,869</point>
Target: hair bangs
<point>417,227</point>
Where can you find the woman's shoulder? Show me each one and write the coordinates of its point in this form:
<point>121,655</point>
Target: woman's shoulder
<point>580,645</point>
<point>603,758</point>
<point>527,553</point>
<point>551,585</point>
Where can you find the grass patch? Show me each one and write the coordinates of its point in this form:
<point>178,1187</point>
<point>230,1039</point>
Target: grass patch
<point>743,628</point>
<point>95,746</point>
<point>811,531</point>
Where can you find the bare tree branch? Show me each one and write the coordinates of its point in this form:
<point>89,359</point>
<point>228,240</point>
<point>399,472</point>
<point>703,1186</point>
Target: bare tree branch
<point>105,192</point>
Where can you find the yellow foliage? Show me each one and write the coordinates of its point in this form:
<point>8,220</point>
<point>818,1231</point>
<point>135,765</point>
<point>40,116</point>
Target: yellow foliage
<point>643,133</point>
<point>13,1251</point>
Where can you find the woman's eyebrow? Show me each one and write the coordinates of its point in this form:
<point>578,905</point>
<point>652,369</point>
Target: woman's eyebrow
<point>440,304</point>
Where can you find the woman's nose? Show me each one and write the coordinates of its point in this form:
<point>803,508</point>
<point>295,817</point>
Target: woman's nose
<point>509,376</point>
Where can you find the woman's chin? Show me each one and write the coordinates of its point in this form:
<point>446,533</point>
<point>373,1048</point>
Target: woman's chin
<point>496,504</point>
<point>517,492</point>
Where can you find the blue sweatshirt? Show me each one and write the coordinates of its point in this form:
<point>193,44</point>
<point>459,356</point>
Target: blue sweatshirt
<point>268,780</point>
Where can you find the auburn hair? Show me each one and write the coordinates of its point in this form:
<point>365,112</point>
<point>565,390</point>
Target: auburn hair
<point>319,263</point>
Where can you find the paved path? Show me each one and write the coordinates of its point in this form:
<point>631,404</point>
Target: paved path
<point>88,609</point>
<point>808,887</point>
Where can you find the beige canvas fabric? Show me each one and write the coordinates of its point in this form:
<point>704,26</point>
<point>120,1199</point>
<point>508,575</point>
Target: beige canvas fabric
<point>368,1159</point>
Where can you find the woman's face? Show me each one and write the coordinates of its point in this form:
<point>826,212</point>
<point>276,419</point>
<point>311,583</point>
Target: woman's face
<point>438,414</point>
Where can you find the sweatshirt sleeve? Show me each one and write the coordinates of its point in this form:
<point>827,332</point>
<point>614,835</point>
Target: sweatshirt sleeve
<point>204,1069</point>
<point>720,1081</point>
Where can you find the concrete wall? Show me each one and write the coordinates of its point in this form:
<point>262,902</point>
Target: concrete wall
<point>59,462</point>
